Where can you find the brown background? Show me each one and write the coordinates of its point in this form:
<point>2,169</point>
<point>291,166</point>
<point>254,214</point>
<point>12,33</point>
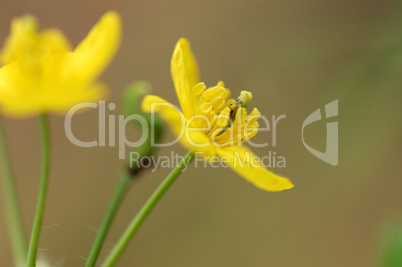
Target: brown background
<point>295,56</point>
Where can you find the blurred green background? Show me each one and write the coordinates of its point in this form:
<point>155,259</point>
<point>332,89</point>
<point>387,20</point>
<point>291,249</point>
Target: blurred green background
<point>295,56</point>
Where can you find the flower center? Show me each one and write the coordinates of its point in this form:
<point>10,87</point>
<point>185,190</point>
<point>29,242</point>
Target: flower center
<point>224,121</point>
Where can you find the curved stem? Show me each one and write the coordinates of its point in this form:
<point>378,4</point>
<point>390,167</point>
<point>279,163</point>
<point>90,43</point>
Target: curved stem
<point>11,203</point>
<point>43,186</point>
<point>145,210</point>
<point>111,211</point>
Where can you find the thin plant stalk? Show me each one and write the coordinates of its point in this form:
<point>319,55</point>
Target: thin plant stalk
<point>145,210</point>
<point>11,203</point>
<point>43,187</point>
<point>111,211</point>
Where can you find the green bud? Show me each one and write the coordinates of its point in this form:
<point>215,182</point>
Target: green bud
<point>131,105</point>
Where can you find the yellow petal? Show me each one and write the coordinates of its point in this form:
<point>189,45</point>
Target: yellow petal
<point>190,63</point>
<point>185,75</point>
<point>98,48</point>
<point>244,162</point>
<point>23,36</point>
<point>183,131</point>
<point>42,74</point>
<point>19,98</point>
<point>29,47</point>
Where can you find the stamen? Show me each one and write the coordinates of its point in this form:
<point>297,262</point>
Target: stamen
<point>223,118</point>
<point>221,84</point>
<point>218,103</point>
<point>212,93</point>
<point>206,107</point>
<point>253,116</point>
<point>226,94</point>
<point>199,88</point>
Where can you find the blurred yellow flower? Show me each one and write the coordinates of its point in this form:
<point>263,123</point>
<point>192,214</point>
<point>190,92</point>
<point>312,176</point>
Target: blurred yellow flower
<point>211,124</point>
<point>41,73</point>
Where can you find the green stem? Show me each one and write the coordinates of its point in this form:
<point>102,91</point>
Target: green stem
<point>11,203</point>
<point>43,186</point>
<point>145,210</point>
<point>111,211</point>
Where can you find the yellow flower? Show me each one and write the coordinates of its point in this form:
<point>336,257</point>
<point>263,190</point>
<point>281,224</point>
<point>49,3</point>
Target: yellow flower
<point>210,124</point>
<point>41,73</point>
